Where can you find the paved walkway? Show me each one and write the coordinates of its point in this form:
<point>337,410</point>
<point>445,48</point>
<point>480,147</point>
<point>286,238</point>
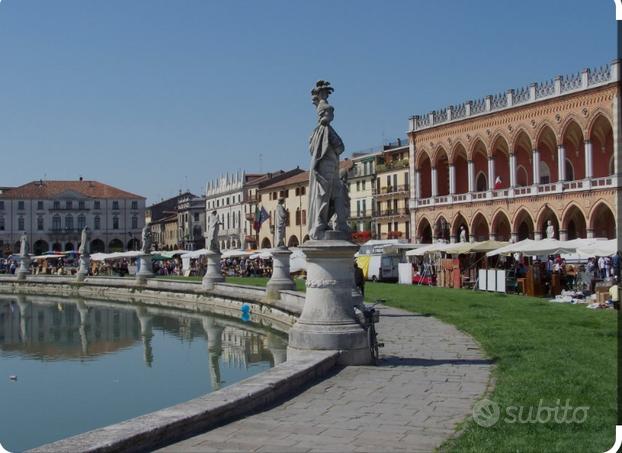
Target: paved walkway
<point>430,377</point>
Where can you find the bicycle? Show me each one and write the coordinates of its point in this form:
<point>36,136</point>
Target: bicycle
<point>371,316</point>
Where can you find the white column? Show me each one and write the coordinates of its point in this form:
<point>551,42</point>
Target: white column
<point>417,184</point>
<point>588,159</point>
<point>512,170</point>
<point>491,173</point>
<point>536,166</point>
<point>470,176</point>
<point>561,162</point>
<point>434,186</point>
<point>452,179</point>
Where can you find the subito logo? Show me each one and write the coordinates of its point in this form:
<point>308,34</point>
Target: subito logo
<point>486,413</point>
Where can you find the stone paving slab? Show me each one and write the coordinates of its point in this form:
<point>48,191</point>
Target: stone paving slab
<point>430,377</point>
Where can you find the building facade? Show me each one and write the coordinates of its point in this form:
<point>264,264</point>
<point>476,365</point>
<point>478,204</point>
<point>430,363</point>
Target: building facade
<point>392,192</point>
<point>53,214</point>
<point>504,166</point>
<point>225,196</point>
<point>294,191</point>
<point>361,182</point>
<point>190,222</point>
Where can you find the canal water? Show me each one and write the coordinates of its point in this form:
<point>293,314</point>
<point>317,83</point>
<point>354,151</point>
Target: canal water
<point>69,366</point>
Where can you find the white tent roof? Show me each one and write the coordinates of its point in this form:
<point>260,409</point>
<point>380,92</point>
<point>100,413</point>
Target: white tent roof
<point>429,248</point>
<point>115,255</point>
<point>586,247</point>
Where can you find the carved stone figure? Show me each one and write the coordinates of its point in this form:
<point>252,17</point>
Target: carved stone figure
<point>550,230</point>
<point>84,248</point>
<point>146,239</point>
<point>24,246</point>
<point>326,196</point>
<point>211,237</point>
<point>281,221</point>
<point>462,234</point>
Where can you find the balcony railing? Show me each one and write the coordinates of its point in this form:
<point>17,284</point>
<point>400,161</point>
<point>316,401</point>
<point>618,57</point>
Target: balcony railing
<point>524,191</point>
<point>392,189</point>
<point>394,212</point>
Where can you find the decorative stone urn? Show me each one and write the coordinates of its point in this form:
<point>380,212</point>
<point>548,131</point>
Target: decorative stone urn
<point>280,280</point>
<point>83,271</point>
<point>328,321</point>
<point>212,275</point>
<point>146,268</point>
<point>24,268</point>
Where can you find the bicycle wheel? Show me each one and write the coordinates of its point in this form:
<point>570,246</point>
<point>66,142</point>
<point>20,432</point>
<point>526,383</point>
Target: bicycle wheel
<point>373,343</point>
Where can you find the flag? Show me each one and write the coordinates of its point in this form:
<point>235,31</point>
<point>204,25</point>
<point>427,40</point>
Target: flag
<point>263,215</point>
<point>257,222</point>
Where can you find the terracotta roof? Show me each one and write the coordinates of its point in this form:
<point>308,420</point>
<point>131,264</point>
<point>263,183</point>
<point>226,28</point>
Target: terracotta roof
<point>296,179</point>
<point>52,189</point>
<point>303,177</point>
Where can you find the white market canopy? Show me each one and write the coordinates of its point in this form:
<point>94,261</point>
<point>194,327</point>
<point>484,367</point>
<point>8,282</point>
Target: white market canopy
<point>586,247</point>
<point>115,255</point>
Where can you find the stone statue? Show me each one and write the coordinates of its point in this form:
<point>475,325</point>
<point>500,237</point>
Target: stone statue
<point>24,246</point>
<point>550,230</point>
<point>146,239</point>
<point>213,225</point>
<point>462,234</point>
<point>84,248</point>
<point>281,222</point>
<point>325,187</point>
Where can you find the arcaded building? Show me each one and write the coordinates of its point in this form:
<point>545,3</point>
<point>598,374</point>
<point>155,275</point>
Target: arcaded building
<point>505,165</point>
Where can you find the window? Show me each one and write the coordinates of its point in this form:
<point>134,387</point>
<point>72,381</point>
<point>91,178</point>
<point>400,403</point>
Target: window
<point>20,205</point>
<point>364,208</point>
<point>545,173</point>
<point>2,205</point>
<point>20,224</point>
<point>69,222</point>
<point>1,223</point>
<point>115,205</point>
<point>134,204</point>
<point>134,222</point>
<point>298,216</point>
<point>81,204</point>
<point>39,205</point>
<point>363,185</point>
<point>303,190</point>
<point>406,182</point>
<point>56,222</point>
<point>81,222</point>
<point>56,204</point>
<point>40,223</point>
<point>304,216</point>
<point>358,208</point>
<point>196,216</point>
<point>115,223</point>
<point>97,204</point>
<point>97,223</point>
<point>68,205</point>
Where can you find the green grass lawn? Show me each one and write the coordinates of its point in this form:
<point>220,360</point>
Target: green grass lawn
<point>543,353</point>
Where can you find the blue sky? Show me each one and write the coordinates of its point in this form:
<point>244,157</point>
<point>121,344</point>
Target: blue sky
<point>158,95</point>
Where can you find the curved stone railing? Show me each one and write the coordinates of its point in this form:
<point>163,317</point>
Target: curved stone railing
<point>157,429</point>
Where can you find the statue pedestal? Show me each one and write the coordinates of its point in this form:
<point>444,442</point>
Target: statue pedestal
<point>83,271</point>
<point>280,279</point>
<point>328,321</point>
<point>24,268</point>
<point>212,275</point>
<point>146,268</point>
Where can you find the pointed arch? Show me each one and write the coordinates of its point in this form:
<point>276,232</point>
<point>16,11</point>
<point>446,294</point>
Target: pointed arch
<point>424,231</point>
<point>521,133</point>
<point>441,163</point>
<point>573,222</point>
<point>500,225</point>
<point>424,167</point>
<point>542,131</point>
<point>458,221</point>
<point>522,224</point>
<point>601,137</point>
<point>480,230</point>
<point>461,168</point>
<point>544,216</point>
<point>602,220</point>
<point>574,143</point>
<point>597,115</point>
<point>457,148</point>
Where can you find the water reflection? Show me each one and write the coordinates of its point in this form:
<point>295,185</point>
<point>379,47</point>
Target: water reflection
<point>129,360</point>
<point>56,329</point>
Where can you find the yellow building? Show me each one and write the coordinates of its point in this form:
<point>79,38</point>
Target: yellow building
<point>294,190</point>
<point>392,192</point>
<point>361,180</point>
